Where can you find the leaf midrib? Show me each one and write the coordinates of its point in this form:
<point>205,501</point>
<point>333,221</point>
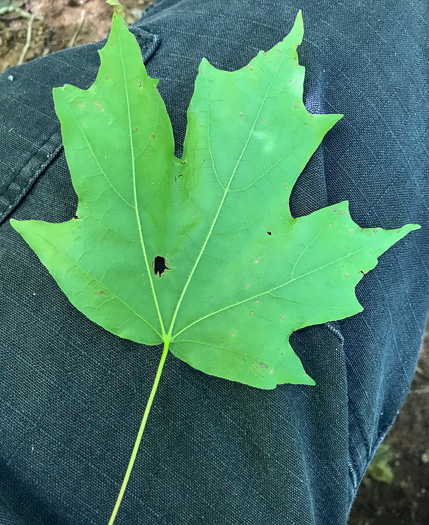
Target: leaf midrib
<point>136,206</point>
<point>226,191</point>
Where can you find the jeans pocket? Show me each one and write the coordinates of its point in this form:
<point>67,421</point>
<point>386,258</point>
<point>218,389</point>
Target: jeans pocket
<point>30,137</point>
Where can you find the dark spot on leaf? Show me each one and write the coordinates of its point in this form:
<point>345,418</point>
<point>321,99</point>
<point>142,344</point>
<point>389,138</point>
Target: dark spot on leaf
<point>180,174</point>
<point>135,129</point>
<point>362,272</point>
<point>260,364</point>
<point>101,292</point>
<point>141,84</point>
<point>250,67</point>
<point>262,70</point>
<point>153,137</point>
<point>269,233</point>
<point>160,266</point>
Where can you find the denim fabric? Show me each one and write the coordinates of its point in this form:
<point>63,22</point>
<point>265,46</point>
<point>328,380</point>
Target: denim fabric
<point>216,452</point>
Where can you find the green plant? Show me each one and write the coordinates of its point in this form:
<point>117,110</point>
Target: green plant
<point>202,253</point>
<point>379,468</point>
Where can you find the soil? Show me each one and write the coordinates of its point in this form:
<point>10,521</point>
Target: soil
<point>55,25</point>
<point>406,500</point>
<point>51,25</point>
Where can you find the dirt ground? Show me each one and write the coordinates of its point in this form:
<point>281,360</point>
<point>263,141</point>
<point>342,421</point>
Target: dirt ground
<point>406,500</point>
<point>38,27</point>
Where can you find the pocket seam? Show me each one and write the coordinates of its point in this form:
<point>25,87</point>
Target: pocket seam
<point>19,187</point>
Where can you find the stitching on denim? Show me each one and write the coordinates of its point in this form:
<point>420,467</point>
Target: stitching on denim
<point>48,151</point>
<point>29,181</point>
<point>335,331</point>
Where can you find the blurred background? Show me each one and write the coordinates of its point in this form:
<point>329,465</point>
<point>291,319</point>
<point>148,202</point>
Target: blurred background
<point>395,490</point>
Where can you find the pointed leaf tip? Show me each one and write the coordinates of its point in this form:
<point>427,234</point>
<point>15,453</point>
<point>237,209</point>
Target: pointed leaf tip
<point>119,8</point>
<point>297,31</point>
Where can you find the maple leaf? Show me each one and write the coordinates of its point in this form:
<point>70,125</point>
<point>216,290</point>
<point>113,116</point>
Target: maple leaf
<point>203,253</point>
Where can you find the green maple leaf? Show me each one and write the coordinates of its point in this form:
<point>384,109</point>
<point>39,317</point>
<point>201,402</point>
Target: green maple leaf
<point>203,253</point>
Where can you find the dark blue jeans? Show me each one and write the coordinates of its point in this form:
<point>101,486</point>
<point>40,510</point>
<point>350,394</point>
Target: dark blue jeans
<point>217,452</point>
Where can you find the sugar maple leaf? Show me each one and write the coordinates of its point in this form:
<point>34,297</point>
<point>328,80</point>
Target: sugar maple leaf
<point>203,253</point>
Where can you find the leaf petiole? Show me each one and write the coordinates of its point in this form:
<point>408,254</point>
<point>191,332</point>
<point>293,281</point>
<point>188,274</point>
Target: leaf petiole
<point>140,433</point>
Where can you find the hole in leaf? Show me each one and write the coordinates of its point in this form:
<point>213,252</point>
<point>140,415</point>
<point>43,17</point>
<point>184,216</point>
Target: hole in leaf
<point>160,266</point>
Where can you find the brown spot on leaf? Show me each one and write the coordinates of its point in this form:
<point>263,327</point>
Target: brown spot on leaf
<point>153,137</point>
<point>99,105</point>
<point>81,104</point>
<point>101,292</point>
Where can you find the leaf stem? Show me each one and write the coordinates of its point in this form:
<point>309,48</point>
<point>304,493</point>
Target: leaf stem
<point>140,433</point>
